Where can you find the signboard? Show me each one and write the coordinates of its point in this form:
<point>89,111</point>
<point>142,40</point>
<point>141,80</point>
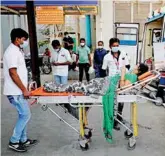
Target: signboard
<point>81,10</point>
<point>50,15</point>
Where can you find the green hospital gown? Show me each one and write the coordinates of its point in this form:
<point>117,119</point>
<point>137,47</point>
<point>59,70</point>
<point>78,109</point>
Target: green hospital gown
<point>131,77</point>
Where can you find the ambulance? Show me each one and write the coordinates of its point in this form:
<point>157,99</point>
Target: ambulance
<point>153,45</point>
<point>153,52</point>
<point>150,51</point>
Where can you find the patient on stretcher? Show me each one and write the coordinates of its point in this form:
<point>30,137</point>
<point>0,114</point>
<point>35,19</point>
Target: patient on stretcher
<point>97,86</point>
<point>132,77</point>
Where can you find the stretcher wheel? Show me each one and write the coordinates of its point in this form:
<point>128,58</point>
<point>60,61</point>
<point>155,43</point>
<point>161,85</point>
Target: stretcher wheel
<point>131,143</point>
<point>127,134</point>
<point>85,148</point>
<point>84,144</point>
<point>44,107</point>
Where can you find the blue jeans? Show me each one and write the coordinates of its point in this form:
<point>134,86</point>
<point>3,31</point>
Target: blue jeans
<point>60,79</point>
<point>24,114</point>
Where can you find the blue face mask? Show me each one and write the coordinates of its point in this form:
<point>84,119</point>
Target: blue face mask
<point>115,49</point>
<point>24,45</point>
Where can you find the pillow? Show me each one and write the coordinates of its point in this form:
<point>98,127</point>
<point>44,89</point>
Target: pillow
<point>141,77</point>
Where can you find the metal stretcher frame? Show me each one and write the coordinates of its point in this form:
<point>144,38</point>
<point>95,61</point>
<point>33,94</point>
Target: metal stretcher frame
<point>79,101</point>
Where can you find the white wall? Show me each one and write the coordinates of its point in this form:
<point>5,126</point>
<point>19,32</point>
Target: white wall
<point>82,26</point>
<point>104,22</point>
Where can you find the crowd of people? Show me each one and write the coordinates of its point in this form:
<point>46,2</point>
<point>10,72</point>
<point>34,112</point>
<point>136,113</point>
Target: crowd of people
<point>62,58</point>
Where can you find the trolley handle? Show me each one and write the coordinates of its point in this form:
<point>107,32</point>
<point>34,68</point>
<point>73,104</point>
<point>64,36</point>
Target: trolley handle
<point>32,86</point>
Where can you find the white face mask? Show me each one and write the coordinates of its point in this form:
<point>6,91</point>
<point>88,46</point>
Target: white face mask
<point>100,47</point>
<point>25,44</point>
<point>115,49</point>
<point>57,50</point>
<point>82,44</point>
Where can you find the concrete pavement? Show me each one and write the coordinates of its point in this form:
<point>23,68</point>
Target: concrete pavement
<point>57,139</point>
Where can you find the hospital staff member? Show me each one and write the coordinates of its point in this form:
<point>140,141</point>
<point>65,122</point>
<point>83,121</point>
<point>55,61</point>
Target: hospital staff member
<point>116,62</point>
<point>60,60</point>
<point>15,88</point>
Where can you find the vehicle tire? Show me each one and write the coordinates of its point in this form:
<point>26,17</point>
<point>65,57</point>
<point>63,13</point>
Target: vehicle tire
<point>46,68</point>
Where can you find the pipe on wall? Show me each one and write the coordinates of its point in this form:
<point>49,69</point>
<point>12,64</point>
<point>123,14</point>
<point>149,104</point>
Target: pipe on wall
<point>88,30</point>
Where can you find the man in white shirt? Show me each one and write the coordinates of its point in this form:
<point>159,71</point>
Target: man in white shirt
<point>60,60</point>
<point>15,88</point>
<point>116,62</point>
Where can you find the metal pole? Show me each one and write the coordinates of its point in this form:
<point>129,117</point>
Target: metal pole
<point>33,41</point>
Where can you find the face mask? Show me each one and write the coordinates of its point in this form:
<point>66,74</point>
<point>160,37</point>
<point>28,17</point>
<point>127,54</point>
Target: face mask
<point>24,45</point>
<point>70,47</point>
<point>100,47</point>
<point>67,36</point>
<point>57,50</point>
<point>115,49</point>
<point>82,44</point>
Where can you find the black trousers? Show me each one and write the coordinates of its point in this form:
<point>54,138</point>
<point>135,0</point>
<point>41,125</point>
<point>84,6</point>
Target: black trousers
<point>82,67</point>
<point>72,66</point>
<point>120,110</point>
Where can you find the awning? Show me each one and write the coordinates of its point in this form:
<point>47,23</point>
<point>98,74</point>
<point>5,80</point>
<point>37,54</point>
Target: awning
<point>53,2</point>
<point>84,7</point>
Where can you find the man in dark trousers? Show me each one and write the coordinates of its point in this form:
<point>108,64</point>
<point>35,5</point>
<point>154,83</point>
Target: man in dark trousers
<point>116,61</point>
<point>99,54</point>
<point>84,58</point>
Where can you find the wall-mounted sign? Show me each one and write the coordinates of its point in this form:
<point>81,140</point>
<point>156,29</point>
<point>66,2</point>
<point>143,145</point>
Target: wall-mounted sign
<point>80,10</point>
<point>49,15</point>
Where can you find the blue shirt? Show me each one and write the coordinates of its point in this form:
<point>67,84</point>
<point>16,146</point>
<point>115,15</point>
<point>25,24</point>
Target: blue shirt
<point>99,56</point>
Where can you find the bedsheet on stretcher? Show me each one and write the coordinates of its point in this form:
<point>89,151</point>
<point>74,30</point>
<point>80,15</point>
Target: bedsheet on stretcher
<point>97,86</point>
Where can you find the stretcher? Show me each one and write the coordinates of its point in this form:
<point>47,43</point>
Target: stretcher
<point>79,102</point>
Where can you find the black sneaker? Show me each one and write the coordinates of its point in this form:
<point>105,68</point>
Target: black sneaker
<point>29,142</point>
<point>17,147</point>
<point>116,125</point>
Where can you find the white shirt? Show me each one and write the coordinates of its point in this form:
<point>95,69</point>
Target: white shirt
<point>60,57</point>
<point>14,58</point>
<point>114,66</point>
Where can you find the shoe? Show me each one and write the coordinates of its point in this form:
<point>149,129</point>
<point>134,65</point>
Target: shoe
<point>17,147</point>
<point>29,142</point>
<point>116,126</point>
